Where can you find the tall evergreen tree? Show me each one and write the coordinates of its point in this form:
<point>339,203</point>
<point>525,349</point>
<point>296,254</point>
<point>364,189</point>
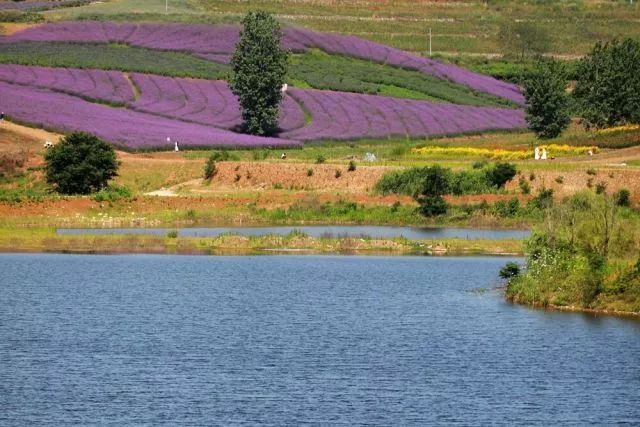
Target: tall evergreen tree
<point>547,106</point>
<point>259,70</point>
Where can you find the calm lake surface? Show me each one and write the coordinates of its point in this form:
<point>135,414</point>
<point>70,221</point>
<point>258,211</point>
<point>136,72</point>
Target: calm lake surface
<point>284,340</point>
<point>373,231</point>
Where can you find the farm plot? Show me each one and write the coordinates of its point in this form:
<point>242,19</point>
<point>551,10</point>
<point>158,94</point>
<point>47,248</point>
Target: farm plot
<point>107,86</point>
<point>123,127</point>
<point>218,42</point>
<point>343,116</point>
<point>201,101</point>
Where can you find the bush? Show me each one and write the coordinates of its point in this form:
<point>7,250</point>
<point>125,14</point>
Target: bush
<point>525,188</point>
<point>622,198</point>
<point>320,159</point>
<point>560,179</point>
<point>601,187</point>
<point>259,70</point>
<point>210,168</point>
<point>500,174</point>
<point>508,208</point>
<point>112,193</point>
<point>352,166</point>
<point>432,206</point>
<point>338,173</point>
<point>547,105</point>
<point>309,172</point>
<point>173,234</point>
<point>510,270</point>
<point>80,164</point>
<point>543,200</point>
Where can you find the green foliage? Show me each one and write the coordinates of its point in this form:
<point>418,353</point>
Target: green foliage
<point>210,168</point>
<point>437,181</point>
<point>320,159</point>
<point>622,198</point>
<point>608,85</point>
<point>523,39</point>
<point>223,156</point>
<point>500,174</point>
<point>173,234</point>
<point>507,208</point>
<point>544,199</point>
<point>259,70</point>
<point>338,173</point>
<point>601,187</point>
<point>110,57</point>
<point>19,16</point>
<point>352,166</point>
<point>431,206</point>
<point>547,111</point>
<point>509,271</point>
<point>80,164</point>
<point>320,70</point>
<point>113,193</point>
<point>309,172</point>
<point>525,187</point>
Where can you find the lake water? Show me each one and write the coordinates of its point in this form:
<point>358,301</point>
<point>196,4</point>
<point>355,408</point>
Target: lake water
<point>286,340</point>
<point>373,231</point>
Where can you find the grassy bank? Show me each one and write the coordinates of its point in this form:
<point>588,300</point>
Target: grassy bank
<point>583,256</point>
<point>46,240</point>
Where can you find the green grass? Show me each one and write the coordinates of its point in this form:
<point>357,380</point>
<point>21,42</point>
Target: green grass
<point>110,57</point>
<point>334,72</point>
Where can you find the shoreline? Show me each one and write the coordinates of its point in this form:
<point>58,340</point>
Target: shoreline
<point>576,309</point>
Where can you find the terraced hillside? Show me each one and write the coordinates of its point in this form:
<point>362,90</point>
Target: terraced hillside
<point>135,108</point>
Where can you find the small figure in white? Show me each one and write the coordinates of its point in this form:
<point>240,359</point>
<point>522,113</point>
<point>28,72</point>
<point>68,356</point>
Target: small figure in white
<point>590,152</point>
<point>283,156</point>
<point>177,148</point>
<point>544,154</point>
<point>536,154</point>
<point>48,144</point>
<point>1,116</point>
<point>284,88</point>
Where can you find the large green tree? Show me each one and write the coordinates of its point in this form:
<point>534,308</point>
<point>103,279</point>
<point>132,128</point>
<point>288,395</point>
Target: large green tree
<point>259,70</point>
<point>547,109</point>
<point>80,164</point>
<point>608,84</point>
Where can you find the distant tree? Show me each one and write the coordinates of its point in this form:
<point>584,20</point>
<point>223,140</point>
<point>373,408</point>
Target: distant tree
<point>435,181</point>
<point>523,40</point>
<point>547,109</point>
<point>259,70</point>
<point>432,206</point>
<point>608,84</point>
<point>80,164</point>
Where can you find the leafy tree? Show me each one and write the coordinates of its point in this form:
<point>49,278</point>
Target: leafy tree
<point>510,270</point>
<point>435,181</point>
<point>80,164</point>
<point>523,40</point>
<point>547,110</point>
<point>259,70</point>
<point>432,206</point>
<point>500,174</point>
<point>608,84</point>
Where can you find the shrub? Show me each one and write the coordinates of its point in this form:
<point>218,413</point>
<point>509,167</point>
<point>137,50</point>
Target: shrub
<point>173,234</point>
<point>601,187</point>
<point>525,188</point>
<point>547,105</point>
<point>352,166</point>
<point>210,168</point>
<point>432,206</point>
<point>510,270</point>
<point>259,69</point>
<point>309,172</point>
<point>338,173</point>
<point>112,193</point>
<point>591,171</point>
<point>320,159</point>
<point>479,164</point>
<point>500,174</point>
<point>543,200</point>
<point>508,208</point>
<point>80,164</point>
<point>560,179</point>
<point>622,197</point>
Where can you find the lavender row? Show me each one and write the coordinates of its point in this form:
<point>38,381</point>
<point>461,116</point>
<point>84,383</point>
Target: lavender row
<point>217,43</point>
<point>39,4</point>
<point>201,101</point>
<point>130,129</point>
<point>338,115</point>
<point>110,86</point>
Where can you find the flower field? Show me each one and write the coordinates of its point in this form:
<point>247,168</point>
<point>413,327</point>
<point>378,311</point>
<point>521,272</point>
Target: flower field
<point>123,127</point>
<point>501,154</point>
<point>216,43</point>
<point>211,104</point>
<point>107,86</point>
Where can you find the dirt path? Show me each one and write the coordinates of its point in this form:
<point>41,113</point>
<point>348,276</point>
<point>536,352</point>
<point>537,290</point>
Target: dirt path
<point>32,133</point>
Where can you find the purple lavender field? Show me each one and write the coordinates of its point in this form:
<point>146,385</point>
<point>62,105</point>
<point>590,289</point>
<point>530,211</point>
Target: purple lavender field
<point>122,127</point>
<point>216,43</point>
<point>204,113</point>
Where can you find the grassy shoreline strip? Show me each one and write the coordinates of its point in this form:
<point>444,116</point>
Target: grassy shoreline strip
<point>48,241</point>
